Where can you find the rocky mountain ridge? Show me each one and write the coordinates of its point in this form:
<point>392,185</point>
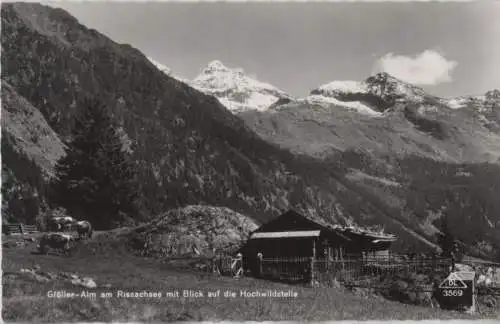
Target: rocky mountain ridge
<point>379,92</point>
<point>384,115</point>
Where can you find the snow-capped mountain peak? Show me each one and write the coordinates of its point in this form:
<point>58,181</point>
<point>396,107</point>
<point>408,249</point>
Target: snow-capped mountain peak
<point>381,84</point>
<point>371,96</point>
<point>215,66</point>
<point>235,90</point>
<point>386,85</point>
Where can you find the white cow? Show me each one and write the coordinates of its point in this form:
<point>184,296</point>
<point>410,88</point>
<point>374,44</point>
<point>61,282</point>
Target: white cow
<point>62,223</point>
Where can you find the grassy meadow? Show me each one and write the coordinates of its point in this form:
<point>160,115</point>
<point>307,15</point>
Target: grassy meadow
<point>26,299</point>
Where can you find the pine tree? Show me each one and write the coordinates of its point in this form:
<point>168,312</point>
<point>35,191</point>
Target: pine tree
<point>96,180</point>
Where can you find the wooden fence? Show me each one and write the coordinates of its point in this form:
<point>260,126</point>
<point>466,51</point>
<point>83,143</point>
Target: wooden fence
<point>18,229</point>
<point>285,269</point>
<point>348,271</point>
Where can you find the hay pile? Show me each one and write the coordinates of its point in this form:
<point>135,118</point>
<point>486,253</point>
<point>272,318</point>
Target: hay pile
<point>192,231</point>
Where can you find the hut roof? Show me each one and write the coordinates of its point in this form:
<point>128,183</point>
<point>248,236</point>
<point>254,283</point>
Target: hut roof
<point>346,231</point>
<point>285,234</point>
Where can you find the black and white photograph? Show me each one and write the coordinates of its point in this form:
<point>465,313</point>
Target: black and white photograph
<point>232,161</point>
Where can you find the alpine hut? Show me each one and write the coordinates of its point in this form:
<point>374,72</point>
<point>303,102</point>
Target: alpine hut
<point>295,235</point>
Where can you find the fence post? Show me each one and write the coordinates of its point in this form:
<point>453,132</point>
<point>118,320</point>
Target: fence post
<point>341,255</point>
<point>259,264</point>
<point>21,228</point>
<point>326,253</point>
<point>240,255</point>
<point>313,259</point>
<point>311,279</point>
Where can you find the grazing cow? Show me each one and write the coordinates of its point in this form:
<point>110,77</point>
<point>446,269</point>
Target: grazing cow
<point>61,223</point>
<point>56,241</point>
<point>84,229</point>
<point>67,223</point>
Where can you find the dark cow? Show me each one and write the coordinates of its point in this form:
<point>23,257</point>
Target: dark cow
<point>53,225</point>
<point>84,229</point>
<point>56,241</point>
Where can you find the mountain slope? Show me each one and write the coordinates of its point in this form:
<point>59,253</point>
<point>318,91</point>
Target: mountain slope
<point>235,90</point>
<point>380,116</point>
<point>30,149</point>
<point>486,108</point>
<point>404,147</point>
<point>189,149</point>
<point>26,131</point>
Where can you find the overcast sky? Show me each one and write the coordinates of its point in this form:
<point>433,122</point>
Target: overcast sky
<point>447,48</point>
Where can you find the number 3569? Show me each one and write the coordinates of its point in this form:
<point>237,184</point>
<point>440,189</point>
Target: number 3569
<point>453,292</point>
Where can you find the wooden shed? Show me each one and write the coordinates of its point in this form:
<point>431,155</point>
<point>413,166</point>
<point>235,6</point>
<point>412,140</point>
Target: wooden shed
<point>295,235</point>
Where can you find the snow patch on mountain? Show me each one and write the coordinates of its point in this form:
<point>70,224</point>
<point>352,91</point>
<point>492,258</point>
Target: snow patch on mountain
<point>356,106</point>
<point>464,101</point>
<point>382,85</point>
<point>371,96</point>
<point>485,107</point>
<point>235,90</point>
<point>455,103</point>
<point>480,102</point>
<point>339,87</point>
<point>427,109</point>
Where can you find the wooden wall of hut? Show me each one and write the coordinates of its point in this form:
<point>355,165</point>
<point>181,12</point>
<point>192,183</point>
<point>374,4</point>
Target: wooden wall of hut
<point>281,247</point>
